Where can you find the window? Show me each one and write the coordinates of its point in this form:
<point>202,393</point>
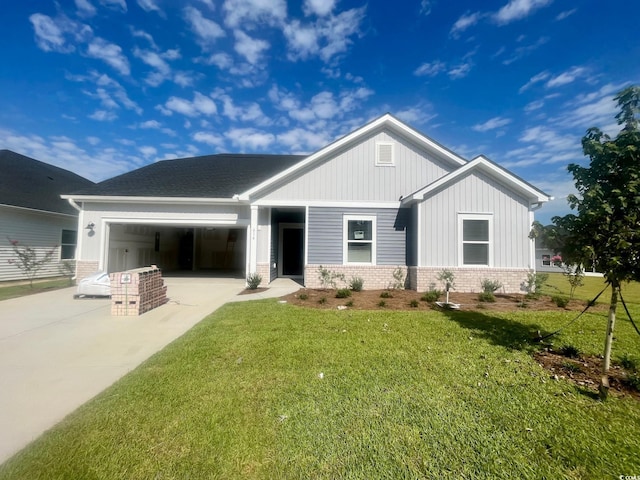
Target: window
<point>359,239</point>
<point>385,154</point>
<point>68,244</point>
<point>546,260</point>
<point>476,235</point>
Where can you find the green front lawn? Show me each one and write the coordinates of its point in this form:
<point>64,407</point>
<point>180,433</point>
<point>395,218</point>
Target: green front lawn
<point>265,390</point>
<point>12,291</point>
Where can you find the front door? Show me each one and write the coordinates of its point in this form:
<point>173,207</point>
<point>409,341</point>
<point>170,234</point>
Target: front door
<point>291,251</point>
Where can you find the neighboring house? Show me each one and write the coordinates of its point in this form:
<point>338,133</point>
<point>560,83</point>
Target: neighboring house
<point>543,259</point>
<point>32,212</point>
<point>384,196</point>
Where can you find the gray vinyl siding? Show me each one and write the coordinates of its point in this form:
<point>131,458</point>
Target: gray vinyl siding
<point>351,175</point>
<point>41,231</point>
<point>326,236</point>
<point>475,193</point>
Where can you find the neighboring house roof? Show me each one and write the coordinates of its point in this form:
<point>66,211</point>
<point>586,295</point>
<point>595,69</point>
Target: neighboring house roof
<point>210,176</point>
<point>385,121</point>
<point>29,183</point>
<point>490,168</point>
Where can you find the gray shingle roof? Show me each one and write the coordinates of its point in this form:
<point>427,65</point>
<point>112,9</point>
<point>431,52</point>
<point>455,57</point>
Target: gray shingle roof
<point>209,176</point>
<point>29,183</point>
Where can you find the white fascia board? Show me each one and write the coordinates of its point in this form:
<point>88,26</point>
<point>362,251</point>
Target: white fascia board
<point>323,203</point>
<point>488,167</point>
<point>156,200</point>
<point>35,210</point>
<point>387,119</point>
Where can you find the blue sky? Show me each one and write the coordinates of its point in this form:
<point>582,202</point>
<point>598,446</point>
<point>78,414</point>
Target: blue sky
<point>101,87</point>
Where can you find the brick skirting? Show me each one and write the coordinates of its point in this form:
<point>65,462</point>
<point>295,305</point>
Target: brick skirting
<point>375,276</point>
<point>84,269</point>
<point>469,279</point>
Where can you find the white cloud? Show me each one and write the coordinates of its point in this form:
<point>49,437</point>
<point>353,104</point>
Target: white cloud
<point>103,115</point>
<point>318,7</point>
<point>110,53</point>
<point>540,77</point>
<point>200,105</point>
<point>491,124</point>
<point>185,79</point>
<point>57,34</point>
<point>302,40</point>
<point>250,112</point>
<point>209,138</point>
<point>417,114</point>
<point>119,4</point>
<point>565,14</point>
<point>243,12</point>
<point>221,60</point>
<point>465,21</point>
<point>460,71</point>
<point>249,48</point>
<point>425,7</point>
<point>150,6</point>
<point>337,32</point>
<point>109,91</point>
<point>152,59</point>
<point>518,9</point>
<point>430,69</point>
<point>93,140</point>
<point>525,50</point>
<point>148,151</point>
<point>85,8</point>
<point>250,138</point>
<point>533,106</point>
<point>206,31</point>
<point>146,36</point>
<point>303,140</point>
<point>567,77</point>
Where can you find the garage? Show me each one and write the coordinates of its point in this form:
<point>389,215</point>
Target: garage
<point>209,250</point>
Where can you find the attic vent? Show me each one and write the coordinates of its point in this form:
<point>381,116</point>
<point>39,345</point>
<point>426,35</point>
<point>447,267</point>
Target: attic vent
<point>384,154</point>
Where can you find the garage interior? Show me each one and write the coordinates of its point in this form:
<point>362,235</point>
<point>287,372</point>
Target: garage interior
<point>178,250</point>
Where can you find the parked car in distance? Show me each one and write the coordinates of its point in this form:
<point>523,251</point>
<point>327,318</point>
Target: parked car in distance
<point>95,285</point>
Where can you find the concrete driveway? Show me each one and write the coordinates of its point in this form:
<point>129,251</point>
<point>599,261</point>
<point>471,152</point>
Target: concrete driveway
<point>56,352</point>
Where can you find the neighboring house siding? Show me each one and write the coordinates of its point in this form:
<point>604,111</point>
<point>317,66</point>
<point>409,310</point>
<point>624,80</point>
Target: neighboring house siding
<point>41,231</point>
<point>326,236</point>
<point>475,193</point>
<point>352,175</point>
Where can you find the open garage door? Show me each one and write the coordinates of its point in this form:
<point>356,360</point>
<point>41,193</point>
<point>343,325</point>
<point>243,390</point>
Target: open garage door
<point>211,250</point>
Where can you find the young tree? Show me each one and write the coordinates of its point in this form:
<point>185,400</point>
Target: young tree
<point>28,260</point>
<point>606,227</point>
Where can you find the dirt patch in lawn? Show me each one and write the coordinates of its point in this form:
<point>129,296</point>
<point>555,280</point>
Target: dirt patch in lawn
<point>249,291</point>
<point>585,372</point>
<point>411,300</point>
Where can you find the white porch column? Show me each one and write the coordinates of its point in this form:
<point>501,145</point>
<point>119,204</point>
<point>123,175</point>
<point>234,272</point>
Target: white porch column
<point>253,241</point>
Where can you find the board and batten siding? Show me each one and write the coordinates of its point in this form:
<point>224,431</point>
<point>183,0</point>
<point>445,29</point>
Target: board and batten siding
<point>352,175</point>
<point>326,236</point>
<point>39,230</point>
<point>475,193</point>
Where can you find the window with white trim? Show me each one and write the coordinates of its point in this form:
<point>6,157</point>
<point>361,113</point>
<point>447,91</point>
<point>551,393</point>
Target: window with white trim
<point>476,239</point>
<point>359,238</point>
<point>546,260</point>
<point>68,244</point>
<point>385,154</point>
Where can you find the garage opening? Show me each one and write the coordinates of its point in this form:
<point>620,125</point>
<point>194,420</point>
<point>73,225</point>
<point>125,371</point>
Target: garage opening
<point>202,251</point>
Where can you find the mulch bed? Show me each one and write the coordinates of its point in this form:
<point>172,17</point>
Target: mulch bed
<point>585,372</point>
<point>248,291</point>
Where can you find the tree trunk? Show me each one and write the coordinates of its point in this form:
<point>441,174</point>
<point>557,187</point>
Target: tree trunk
<point>606,362</point>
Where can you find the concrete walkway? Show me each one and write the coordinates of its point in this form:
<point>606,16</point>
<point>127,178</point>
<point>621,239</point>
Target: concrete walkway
<point>56,352</point>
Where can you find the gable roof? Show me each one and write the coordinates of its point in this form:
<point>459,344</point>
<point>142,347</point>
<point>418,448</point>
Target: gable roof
<point>218,176</point>
<point>29,183</point>
<point>385,121</point>
<point>490,168</point>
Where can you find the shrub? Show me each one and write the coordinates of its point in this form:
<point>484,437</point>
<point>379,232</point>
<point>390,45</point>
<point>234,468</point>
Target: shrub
<point>414,303</point>
<point>487,297</point>
<point>253,280</point>
<point>356,284</point>
<point>534,283</point>
<point>570,351</point>
<point>447,278</point>
<point>398,279</point>
<point>382,303</point>
<point>629,363</point>
<point>571,367</point>
<point>68,269</point>
<point>386,294</point>
<point>633,381</point>
<point>349,303</point>
<point>560,301</point>
<point>575,277</point>
<point>328,278</point>
<point>322,300</point>
<point>431,296</point>
<point>343,293</point>
<point>303,296</point>
<point>490,286</point>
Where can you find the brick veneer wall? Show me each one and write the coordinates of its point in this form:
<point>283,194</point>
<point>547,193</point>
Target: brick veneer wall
<point>374,276</point>
<point>469,279</point>
<point>84,269</point>
<point>263,270</point>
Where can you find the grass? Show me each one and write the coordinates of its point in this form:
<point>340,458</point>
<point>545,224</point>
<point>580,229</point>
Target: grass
<point>558,284</point>
<point>266,390</point>
<point>39,286</point>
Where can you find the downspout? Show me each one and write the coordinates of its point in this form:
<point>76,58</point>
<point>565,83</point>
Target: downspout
<point>73,203</point>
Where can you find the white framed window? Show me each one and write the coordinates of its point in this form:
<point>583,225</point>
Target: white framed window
<point>546,260</point>
<point>359,239</point>
<point>385,154</point>
<point>475,233</point>
<point>68,244</point>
